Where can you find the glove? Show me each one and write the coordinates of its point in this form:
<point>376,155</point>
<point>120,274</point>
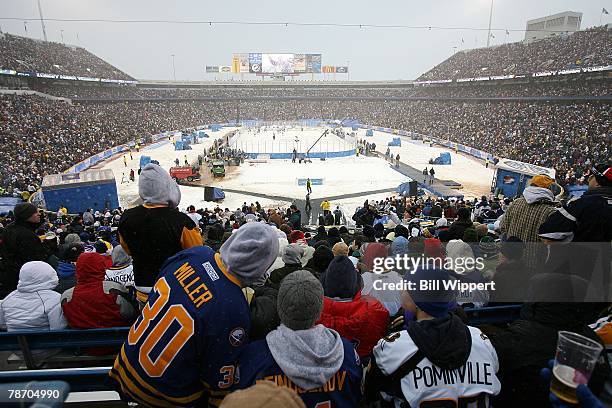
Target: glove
<point>586,399</point>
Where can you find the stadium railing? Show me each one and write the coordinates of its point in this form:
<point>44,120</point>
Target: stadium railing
<point>89,379</point>
<point>75,341</point>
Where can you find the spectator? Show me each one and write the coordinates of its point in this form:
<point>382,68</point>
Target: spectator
<point>463,222</point>
<point>122,271</point>
<point>94,302</point>
<point>320,260</point>
<point>389,298</point>
<point>296,217</point>
<point>66,269</point>
<point>529,342</point>
<point>214,236</point>
<point>292,256</point>
<point>525,215</point>
<point>360,319</point>
<point>19,245</point>
<point>301,353</point>
<point>215,303</point>
<point>167,230</point>
<point>511,275</point>
<point>34,304</point>
<point>441,342</point>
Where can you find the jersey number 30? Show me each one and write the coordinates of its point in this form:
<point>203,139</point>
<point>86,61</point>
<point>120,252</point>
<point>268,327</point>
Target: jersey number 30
<point>156,368</point>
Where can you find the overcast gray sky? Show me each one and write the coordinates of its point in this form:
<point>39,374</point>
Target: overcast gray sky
<point>143,50</point>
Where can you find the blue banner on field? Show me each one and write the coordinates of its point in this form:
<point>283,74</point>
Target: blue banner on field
<point>314,182</point>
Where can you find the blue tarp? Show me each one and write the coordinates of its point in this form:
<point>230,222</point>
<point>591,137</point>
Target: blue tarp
<point>395,142</point>
<point>218,194</point>
<point>369,132</point>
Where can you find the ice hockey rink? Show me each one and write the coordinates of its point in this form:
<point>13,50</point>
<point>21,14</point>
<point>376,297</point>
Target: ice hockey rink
<point>279,177</point>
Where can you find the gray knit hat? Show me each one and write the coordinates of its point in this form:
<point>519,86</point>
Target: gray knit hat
<point>72,239</point>
<point>250,251</point>
<point>300,300</point>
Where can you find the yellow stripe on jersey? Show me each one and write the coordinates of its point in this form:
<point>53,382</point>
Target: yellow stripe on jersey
<point>129,388</point>
<point>143,384</point>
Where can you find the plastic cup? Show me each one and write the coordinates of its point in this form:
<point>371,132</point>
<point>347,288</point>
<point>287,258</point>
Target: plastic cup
<point>574,362</point>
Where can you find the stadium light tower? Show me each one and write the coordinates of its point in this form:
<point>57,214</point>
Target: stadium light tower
<point>173,68</point>
<point>42,21</point>
<point>490,18</point>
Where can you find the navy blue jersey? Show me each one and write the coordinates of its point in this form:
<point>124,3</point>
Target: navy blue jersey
<point>182,350</point>
<point>342,390</point>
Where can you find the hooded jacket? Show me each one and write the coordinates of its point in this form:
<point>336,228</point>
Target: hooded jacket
<point>34,304</point>
<point>362,320</point>
<point>156,230</point>
<point>94,302</point>
<point>316,360</point>
<point>444,347</point>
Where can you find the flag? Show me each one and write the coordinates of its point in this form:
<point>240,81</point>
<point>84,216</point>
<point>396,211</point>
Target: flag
<point>604,11</point>
<point>462,41</point>
<point>492,36</point>
<point>507,32</point>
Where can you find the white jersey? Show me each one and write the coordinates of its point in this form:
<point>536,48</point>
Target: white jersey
<point>475,381</point>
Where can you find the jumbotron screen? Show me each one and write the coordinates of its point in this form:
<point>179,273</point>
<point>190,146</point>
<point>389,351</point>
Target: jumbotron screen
<point>280,63</point>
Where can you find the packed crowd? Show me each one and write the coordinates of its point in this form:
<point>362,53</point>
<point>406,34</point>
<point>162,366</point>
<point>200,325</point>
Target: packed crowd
<point>582,49</point>
<point>44,137</point>
<point>254,297</point>
<point>481,90</point>
<point>27,55</point>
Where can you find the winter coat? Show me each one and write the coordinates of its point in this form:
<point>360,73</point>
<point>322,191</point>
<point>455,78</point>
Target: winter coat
<point>296,220</point>
<point>264,313</point>
<point>94,302</point>
<point>361,320</point>
<point>586,219</point>
<point>279,274</point>
<point>524,217</point>
<point>34,304</point>
<point>457,228</point>
<point>526,346</point>
<point>511,282</point>
<point>18,245</point>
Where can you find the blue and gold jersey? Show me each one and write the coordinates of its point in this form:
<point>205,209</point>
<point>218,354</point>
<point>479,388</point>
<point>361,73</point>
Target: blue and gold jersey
<point>183,348</point>
<point>342,390</point>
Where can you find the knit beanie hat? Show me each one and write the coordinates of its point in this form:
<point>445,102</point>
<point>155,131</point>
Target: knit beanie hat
<point>292,254</point>
<point>249,252</point>
<point>341,279</point>
<point>322,257</point>
<point>541,180</point>
<point>23,211</point>
<point>264,394</point>
<point>435,302</point>
<point>300,300</point>
<point>340,248</point>
<point>295,236</point>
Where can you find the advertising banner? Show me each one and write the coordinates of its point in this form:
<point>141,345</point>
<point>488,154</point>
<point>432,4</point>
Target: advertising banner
<point>236,64</point>
<point>299,63</point>
<point>329,69</point>
<point>225,68</point>
<point>255,63</point>
<point>243,60</point>
<point>342,70</point>
<point>212,69</point>
<point>313,63</point>
<point>277,63</point>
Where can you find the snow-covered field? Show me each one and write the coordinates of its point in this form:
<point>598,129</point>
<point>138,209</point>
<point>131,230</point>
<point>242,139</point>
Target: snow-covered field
<point>280,177</point>
<point>472,174</point>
